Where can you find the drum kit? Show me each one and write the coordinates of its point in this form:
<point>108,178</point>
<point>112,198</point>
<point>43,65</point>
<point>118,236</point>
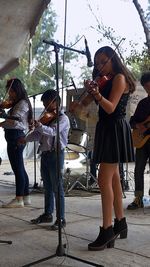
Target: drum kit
<point>78,145</point>
<point>77,141</point>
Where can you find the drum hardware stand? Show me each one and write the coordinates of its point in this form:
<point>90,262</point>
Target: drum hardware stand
<point>67,178</point>
<point>83,150</point>
<point>60,251</point>
<point>126,179</point>
<point>88,174</point>
<point>124,184</point>
<point>77,182</point>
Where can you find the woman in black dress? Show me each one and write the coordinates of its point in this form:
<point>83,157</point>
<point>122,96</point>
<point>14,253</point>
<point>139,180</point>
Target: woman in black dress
<point>113,142</point>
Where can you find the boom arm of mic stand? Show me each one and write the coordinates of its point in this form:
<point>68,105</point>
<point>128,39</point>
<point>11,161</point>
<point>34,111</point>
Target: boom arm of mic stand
<point>64,47</point>
<point>56,45</point>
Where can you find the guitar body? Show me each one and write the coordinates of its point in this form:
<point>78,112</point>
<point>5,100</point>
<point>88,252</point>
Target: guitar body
<point>139,139</point>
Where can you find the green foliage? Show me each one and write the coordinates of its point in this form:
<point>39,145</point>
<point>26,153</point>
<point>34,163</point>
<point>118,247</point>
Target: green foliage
<point>86,74</point>
<point>39,74</point>
<point>139,62</point>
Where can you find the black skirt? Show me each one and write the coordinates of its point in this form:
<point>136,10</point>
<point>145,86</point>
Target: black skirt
<point>113,142</point>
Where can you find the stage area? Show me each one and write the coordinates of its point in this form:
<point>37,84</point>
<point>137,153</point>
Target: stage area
<point>34,242</point>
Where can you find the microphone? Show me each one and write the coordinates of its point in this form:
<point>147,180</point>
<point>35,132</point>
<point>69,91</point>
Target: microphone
<point>73,83</point>
<point>49,42</point>
<point>88,54</point>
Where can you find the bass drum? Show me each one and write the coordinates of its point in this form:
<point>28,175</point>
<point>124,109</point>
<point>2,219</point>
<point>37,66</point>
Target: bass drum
<point>77,141</point>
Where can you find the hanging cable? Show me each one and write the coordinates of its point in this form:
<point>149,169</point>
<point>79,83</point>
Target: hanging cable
<point>30,56</point>
<point>64,52</point>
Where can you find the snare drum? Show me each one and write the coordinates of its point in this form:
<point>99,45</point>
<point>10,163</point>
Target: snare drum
<point>77,141</point>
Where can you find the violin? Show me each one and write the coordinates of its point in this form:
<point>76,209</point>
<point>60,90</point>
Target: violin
<point>48,117</point>
<point>101,83</point>
<point>78,107</point>
<point>6,104</point>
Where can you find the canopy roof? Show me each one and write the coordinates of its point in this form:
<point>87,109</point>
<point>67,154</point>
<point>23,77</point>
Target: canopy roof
<point>18,21</point>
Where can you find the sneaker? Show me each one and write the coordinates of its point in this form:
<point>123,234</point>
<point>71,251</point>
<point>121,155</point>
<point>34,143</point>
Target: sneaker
<point>14,203</point>
<point>136,204</point>
<point>27,200</point>
<point>55,226</point>
<point>44,218</point>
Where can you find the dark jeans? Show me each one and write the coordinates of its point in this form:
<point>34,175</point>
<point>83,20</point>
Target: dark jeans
<point>15,155</point>
<point>52,181</point>
<point>142,156</point>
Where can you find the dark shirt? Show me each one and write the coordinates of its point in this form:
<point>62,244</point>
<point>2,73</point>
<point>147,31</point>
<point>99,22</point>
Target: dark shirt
<point>141,113</point>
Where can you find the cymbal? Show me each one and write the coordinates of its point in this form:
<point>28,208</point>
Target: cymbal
<point>70,155</point>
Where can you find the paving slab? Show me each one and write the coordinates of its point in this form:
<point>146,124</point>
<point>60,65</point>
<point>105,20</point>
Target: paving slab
<point>32,243</point>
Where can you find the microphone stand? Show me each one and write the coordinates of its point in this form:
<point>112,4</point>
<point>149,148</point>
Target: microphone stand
<point>60,251</point>
<point>35,186</point>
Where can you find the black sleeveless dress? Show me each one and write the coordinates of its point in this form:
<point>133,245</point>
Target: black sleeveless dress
<point>113,140</point>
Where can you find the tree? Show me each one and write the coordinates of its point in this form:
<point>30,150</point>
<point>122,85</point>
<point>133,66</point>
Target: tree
<point>37,65</point>
<point>35,53</point>
<point>138,62</point>
<point>144,20</point>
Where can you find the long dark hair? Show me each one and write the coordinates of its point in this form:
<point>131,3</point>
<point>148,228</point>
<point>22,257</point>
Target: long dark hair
<point>118,66</point>
<point>21,94</point>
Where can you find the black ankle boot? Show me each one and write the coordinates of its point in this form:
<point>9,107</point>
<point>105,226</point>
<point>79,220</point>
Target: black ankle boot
<point>120,228</point>
<point>106,238</point>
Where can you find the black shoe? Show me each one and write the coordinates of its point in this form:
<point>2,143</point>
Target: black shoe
<point>120,228</point>
<point>44,218</point>
<point>136,204</point>
<point>55,226</point>
<point>105,239</point>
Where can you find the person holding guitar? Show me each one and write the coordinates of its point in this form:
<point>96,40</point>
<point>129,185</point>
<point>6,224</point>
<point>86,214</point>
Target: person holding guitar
<point>113,141</point>
<point>140,123</point>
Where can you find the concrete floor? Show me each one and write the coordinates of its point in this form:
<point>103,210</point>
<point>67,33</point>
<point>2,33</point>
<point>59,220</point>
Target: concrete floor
<point>32,243</point>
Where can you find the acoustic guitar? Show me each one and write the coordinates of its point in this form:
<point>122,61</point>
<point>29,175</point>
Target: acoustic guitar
<point>139,139</point>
